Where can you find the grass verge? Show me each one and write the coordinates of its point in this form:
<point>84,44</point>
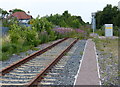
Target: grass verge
<point>107,50</point>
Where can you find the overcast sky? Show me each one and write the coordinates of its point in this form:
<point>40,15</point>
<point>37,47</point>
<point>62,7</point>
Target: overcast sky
<point>82,8</point>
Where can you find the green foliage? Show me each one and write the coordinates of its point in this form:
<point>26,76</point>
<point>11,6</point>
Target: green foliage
<point>52,35</point>
<point>109,15</point>
<point>1,10</point>
<point>44,27</point>
<point>75,24</point>
<point>66,20</point>
<point>41,24</point>
<point>100,32</point>
<point>81,52</point>
<point>23,35</point>
<point>60,35</point>
<point>116,32</point>
<point>116,20</point>
<point>44,37</point>
<point>8,23</point>
<point>76,35</point>
<point>3,13</point>
<point>17,10</point>
<point>21,38</point>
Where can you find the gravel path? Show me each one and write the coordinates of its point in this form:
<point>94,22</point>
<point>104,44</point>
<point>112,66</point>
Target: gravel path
<point>22,55</point>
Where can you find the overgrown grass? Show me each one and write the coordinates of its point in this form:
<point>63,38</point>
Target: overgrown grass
<point>100,32</point>
<point>11,48</point>
<point>21,38</point>
<point>107,47</point>
<point>20,45</point>
<point>76,35</point>
<point>81,52</point>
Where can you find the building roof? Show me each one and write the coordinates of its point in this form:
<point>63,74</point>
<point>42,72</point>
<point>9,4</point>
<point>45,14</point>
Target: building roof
<point>21,15</point>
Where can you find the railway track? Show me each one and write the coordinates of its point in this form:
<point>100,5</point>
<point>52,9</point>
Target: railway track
<point>17,64</point>
<point>30,70</point>
<point>52,75</point>
<point>65,71</point>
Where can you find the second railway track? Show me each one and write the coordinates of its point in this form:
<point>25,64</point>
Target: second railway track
<point>27,73</point>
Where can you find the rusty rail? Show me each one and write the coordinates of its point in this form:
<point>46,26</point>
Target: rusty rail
<point>39,77</point>
<point>26,59</point>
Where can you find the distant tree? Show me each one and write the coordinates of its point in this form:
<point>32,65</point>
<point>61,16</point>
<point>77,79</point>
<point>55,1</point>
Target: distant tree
<point>117,20</point>
<point>3,13</point>
<point>109,15</point>
<point>87,22</point>
<point>1,10</point>
<point>66,20</point>
<point>66,14</point>
<point>62,23</point>
<point>99,19</point>
<point>17,10</point>
<point>75,24</point>
<point>80,20</point>
<point>41,24</point>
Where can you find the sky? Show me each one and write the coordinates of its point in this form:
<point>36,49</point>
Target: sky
<point>82,8</point>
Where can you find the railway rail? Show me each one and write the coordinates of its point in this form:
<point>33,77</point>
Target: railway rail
<point>24,60</point>
<point>31,70</point>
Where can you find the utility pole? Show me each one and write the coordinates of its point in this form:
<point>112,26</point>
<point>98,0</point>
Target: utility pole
<point>119,5</point>
<point>93,22</point>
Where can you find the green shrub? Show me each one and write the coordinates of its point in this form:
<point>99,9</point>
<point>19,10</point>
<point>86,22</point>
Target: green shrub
<point>116,33</point>
<point>52,36</point>
<point>5,48</point>
<point>4,56</point>
<point>100,32</point>
<point>44,37</point>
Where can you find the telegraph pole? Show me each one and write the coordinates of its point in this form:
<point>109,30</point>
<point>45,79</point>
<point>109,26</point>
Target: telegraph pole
<point>93,22</point>
<point>119,5</point>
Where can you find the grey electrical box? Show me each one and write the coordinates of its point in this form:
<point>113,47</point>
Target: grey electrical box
<point>108,30</point>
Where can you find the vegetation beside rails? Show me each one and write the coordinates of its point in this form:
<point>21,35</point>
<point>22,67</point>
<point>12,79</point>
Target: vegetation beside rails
<point>107,45</point>
<point>22,38</point>
<point>101,32</point>
<point>21,41</point>
<point>107,50</point>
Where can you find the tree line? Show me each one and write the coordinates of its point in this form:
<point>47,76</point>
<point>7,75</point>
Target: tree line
<point>109,15</point>
<point>66,20</point>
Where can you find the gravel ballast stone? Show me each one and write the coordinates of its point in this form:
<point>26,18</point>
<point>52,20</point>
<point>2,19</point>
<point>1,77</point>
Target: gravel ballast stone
<point>66,76</point>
